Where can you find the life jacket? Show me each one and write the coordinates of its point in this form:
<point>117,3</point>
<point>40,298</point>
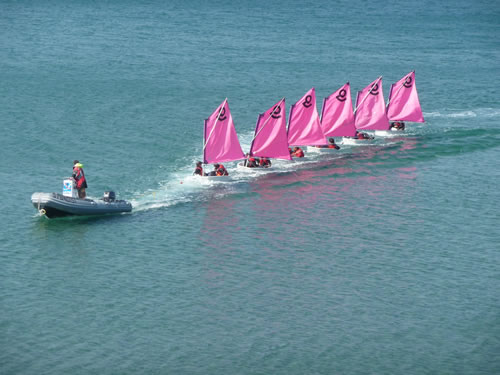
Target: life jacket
<point>299,153</point>
<point>250,162</point>
<point>79,177</point>
<point>199,170</point>
<point>221,171</point>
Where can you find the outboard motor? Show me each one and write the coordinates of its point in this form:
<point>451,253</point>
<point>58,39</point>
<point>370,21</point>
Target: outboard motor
<point>109,196</point>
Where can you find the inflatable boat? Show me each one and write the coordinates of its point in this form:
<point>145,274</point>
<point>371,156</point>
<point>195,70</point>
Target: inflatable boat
<point>68,203</point>
<point>57,205</point>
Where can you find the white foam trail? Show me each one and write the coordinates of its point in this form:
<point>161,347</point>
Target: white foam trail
<point>479,112</point>
<point>182,187</point>
<point>387,133</point>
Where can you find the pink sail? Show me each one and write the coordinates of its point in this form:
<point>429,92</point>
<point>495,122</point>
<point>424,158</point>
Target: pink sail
<point>403,104</point>
<point>220,139</point>
<point>370,108</point>
<point>337,118</point>
<point>270,139</point>
<point>304,128</point>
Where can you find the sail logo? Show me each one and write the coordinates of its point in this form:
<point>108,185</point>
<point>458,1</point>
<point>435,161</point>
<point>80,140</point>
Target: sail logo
<point>308,101</point>
<point>341,97</point>
<point>374,90</point>
<point>222,115</point>
<point>276,112</point>
<point>408,82</point>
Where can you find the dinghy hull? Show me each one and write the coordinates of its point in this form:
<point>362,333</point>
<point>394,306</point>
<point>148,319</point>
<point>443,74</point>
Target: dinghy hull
<point>242,167</point>
<point>354,141</point>
<point>322,150</point>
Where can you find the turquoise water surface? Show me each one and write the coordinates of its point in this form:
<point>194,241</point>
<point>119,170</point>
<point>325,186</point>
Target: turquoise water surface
<point>376,259</point>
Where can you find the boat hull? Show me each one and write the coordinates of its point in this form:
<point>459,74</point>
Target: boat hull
<point>387,133</point>
<point>55,205</point>
<point>320,150</point>
<point>242,167</point>
<point>354,141</point>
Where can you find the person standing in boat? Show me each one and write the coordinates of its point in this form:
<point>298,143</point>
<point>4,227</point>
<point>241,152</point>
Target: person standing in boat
<point>199,169</point>
<point>79,177</point>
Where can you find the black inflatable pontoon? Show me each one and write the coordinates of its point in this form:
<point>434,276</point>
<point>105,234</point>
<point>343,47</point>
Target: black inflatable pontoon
<point>57,205</point>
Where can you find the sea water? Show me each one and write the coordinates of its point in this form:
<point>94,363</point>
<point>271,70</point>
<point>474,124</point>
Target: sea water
<point>380,258</point>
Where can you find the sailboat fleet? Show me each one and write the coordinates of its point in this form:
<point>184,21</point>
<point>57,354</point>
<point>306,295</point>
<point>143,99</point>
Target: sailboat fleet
<point>272,139</point>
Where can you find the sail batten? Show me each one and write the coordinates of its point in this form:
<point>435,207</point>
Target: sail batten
<point>304,128</point>
<point>370,113</point>
<point>220,139</point>
<point>337,117</point>
<point>403,103</point>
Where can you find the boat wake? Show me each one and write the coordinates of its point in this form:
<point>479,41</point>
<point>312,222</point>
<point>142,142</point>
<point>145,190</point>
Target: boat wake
<point>389,149</point>
<point>467,114</point>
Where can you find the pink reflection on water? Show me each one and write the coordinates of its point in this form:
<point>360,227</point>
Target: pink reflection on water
<point>220,224</point>
<point>409,173</point>
<point>335,197</point>
<point>219,216</point>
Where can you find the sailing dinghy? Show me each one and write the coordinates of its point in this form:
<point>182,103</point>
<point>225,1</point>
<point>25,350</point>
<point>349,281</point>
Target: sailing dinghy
<point>403,104</point>
<point>52,205</point>
<point>270,137</point>
<point>337,117</point>
<point>304,127</point>
<point>369,113</point>
<point>220,141</point>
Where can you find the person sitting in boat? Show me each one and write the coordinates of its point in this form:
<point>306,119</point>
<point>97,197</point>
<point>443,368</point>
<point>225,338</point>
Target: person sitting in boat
<point>199,169</point>
<point>220,170</point>
<point>331,144</point>
<point>80,180</point>
<point>250,162</point>
<point>264,163</point>
<point>297,152</point>
<point>397,125</point>
<point>360,135</point>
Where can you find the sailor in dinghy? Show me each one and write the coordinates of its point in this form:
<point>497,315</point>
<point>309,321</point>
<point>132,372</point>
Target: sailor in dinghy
<point>397,125</point>
<point>330,146</point>
<point>220,143</point>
